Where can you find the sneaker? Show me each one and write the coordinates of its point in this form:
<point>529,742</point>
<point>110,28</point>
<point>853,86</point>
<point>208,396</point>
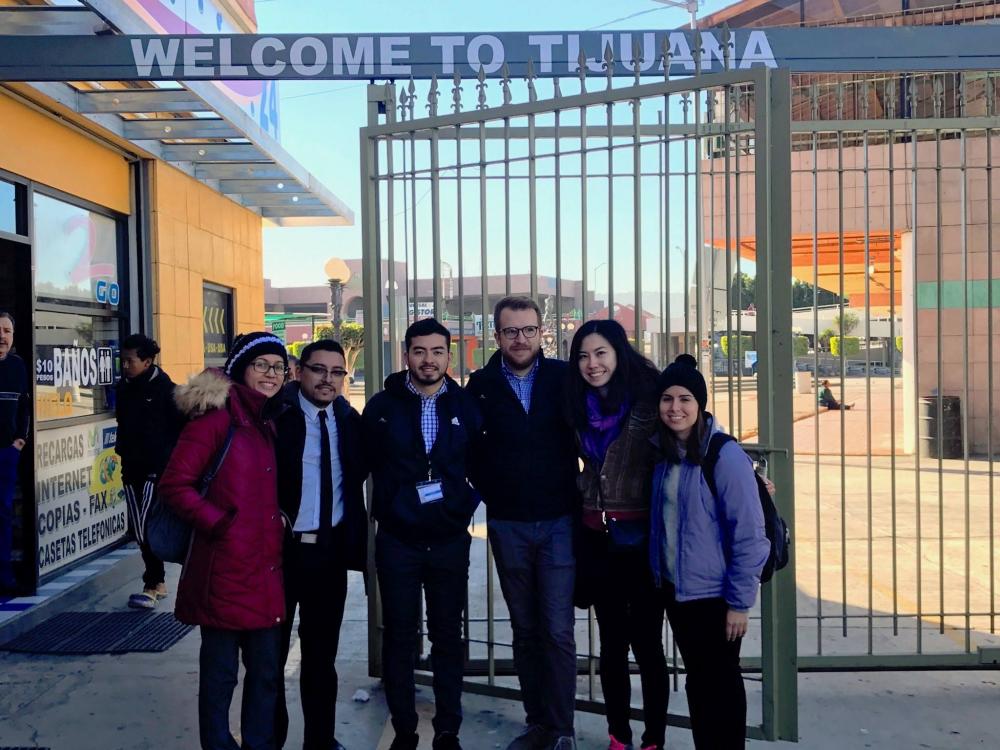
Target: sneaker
<point>145,600</point>
<point>565,743</point>
<point>160,590</point>
<point>446,741</point>
<point>535,737</point>
<point>405,742</point>
<point>614,744</point>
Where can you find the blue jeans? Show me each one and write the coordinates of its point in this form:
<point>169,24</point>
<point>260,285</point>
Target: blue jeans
<point>537,568</point>
<point>9,458</point>
<point>218,671</point>
<point>441,569</point>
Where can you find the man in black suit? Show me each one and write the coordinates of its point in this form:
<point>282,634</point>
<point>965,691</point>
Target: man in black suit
<point>321,472</point>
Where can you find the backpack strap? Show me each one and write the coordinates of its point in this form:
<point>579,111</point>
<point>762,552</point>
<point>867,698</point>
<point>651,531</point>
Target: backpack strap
<point>715,444</point>
<point>206,479</point>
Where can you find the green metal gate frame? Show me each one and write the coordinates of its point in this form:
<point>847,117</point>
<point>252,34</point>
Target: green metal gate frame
<point>770,132</point>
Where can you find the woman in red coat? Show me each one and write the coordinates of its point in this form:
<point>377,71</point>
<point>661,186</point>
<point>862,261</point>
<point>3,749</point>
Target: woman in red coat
<point>231,583</point>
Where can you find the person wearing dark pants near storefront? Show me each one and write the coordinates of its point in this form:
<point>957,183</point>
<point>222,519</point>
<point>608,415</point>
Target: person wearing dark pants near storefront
<point>420,433</point>
<point>527,475</point>
<point>15,425</point>
<point>706,552</point>
<point>148,425</point>
<point>231,583</point>
<point>321,474</point>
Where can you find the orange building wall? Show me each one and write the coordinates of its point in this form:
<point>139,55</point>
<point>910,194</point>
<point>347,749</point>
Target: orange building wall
<point>37,147</point>
<point>199,236</point>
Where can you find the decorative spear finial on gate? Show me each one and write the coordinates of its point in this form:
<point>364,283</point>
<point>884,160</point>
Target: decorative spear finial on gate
<point>938,96</point>
<point>505,84</point>
<point>556,90</point>
<point>530,78</point>
<point>390,99</point>
<point>665,56</point>
<point>727,40</point>
<point>432,97</point>
<point>636,60</point>
<point>697,51</point>
<point>411,89</point>
<point>481,88</point>
<point>456,93</point>
<point>581,70</point>
<point>814,101</point>
<point>991,94</point>
<point>865,89</point>
<point>609,63</point>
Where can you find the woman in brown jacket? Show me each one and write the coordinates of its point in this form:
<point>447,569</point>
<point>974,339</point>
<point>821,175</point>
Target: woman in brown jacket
<point>612,405</point>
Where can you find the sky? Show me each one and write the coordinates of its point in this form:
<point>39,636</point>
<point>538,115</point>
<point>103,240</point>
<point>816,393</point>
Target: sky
<point>320,119</point>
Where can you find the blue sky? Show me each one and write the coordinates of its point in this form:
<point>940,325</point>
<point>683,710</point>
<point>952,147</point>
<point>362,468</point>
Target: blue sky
<point>320,119</point>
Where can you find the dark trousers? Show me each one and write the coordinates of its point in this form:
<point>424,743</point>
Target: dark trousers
<point>316,583</point>
<point>442,570</point>
<point>218,671</point>
<point>717,699</point>
<point>536,566</point>
<point>629,613</point>
<point>9,458</point>
<point>138,496</point>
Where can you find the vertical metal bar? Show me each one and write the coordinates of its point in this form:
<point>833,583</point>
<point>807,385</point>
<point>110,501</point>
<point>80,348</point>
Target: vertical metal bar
<point>816,470</point>
<point>584,271</point>
<point>637,219</point>
<point>779,651</point>
<point>940,373</point>
<point>915,312</point>
<point>738,427</point>
<point>963,189</point>
<point>532,208</point>
<point>460,248</point>
<point>668,324</point>
<point>989,372</point>
<point>728,198</point>
<point>506,203</point>
<point>412,314</point>
<point>699,213</point>
<point>611,211</point>
<point>558,332</point>
<point>868,392</point>
<point>687,233</point>
<point>436,222</point>
<point>390,205</point>
<point>662,248</point>
<point>843,384</point>
<point>892,381</point>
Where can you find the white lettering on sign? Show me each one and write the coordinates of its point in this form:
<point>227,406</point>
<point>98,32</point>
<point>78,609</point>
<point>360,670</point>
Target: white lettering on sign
<point>391,50</point>
<point>758,50</point>
<point>257,56</point>
<point>319,56</point>
<point>545,43</point>
<point>362,54</point>
<point>475,57</point>
<point>447,45</point>
<point>150,53</point>
<point>226,67</point>
<point>197,52</point>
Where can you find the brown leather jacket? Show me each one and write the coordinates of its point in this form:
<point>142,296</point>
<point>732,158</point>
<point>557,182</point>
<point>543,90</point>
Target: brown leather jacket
<point>624,481</point>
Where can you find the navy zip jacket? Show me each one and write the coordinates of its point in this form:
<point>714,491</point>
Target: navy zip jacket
<point>394,445</point>
<point>15,400</point>
<point>528,468</point>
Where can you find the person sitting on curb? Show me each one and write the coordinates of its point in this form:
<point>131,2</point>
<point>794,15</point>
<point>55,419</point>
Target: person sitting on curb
<point>826,399</point>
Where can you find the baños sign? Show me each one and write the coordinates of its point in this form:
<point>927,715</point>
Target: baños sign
<point>550,54</point>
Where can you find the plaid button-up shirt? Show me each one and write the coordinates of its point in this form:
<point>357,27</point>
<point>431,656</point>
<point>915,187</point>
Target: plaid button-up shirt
<point>521,385</point>
<point>428,413</point>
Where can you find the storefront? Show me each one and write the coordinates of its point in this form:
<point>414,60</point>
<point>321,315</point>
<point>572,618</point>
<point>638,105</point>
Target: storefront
<point>127,208</point>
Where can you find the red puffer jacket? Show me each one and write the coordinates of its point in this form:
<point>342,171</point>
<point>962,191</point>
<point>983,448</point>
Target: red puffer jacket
<point>232,578</point>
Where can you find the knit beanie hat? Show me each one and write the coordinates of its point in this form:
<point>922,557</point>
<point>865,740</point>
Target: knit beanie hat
<point>683,371</point>
<point>249,346</point>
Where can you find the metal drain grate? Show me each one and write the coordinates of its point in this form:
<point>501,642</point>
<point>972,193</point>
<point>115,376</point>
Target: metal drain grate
<point>101,633</point>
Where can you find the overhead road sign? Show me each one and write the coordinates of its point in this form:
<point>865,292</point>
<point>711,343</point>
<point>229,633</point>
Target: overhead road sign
<point>550,54</point>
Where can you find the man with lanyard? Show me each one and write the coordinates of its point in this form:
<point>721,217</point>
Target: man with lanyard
<point>321,473</point>
<point>15,426</point>
<point>527,475</point>
<point>420,433</point>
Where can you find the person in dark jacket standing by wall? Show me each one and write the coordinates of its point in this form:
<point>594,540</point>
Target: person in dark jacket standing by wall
<point>321,474</point>
<point>527,474</point>
<point>15,425</point>
<point>420,433</point>
<point>612,403</point>
<point>231,583</point>
<point>148,425</point>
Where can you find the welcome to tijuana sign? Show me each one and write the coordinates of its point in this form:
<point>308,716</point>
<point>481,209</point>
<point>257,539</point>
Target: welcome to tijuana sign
<point>391,56</point>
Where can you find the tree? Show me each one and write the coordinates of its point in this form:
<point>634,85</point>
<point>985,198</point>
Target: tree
<point>850,322</point>
<point>743,291</point>
<point>803,292</point>
<point>352,338</point>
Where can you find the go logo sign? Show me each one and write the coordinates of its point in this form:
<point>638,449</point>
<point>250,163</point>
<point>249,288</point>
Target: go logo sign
<point>107,291</point>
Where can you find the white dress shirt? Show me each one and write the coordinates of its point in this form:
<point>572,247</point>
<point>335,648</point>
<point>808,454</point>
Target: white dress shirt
<point>308,518</point>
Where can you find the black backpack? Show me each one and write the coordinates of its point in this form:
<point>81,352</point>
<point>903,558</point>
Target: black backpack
<point>774,525</point>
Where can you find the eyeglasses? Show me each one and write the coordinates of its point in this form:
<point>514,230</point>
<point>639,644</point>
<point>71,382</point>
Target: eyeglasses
<point>262,367</point>
<point>511,333</point>
<point>322,372</point>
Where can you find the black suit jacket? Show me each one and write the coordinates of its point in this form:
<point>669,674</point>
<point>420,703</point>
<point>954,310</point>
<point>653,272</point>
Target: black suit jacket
<point>291,425</point>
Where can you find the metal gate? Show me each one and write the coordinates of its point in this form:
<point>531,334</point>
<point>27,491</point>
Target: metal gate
<point>593,203</point>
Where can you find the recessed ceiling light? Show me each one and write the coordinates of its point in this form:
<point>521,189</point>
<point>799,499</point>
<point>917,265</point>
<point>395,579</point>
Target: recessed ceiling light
<point>167,129</point>
<point>201,152</point>
<point>281,186</point>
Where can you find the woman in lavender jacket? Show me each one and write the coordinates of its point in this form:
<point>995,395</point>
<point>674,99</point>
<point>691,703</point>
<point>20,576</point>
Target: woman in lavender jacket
<point>706,553</point>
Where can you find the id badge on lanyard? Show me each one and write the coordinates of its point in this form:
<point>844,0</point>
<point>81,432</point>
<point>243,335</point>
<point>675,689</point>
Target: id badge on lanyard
<point>430,491</point>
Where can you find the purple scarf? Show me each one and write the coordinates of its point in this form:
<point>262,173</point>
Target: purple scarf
<point>602,428</point>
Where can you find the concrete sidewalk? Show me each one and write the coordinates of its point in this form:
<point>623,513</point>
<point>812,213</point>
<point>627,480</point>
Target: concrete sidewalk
<point>140,701</point>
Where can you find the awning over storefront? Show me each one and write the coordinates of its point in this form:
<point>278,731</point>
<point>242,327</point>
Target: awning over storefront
<point>195,125</point>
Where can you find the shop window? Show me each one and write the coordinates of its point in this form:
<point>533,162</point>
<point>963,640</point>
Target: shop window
<point>76,254</point>
<point>217,316</point>
<point>76,364</point>
<point>10,205</point>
